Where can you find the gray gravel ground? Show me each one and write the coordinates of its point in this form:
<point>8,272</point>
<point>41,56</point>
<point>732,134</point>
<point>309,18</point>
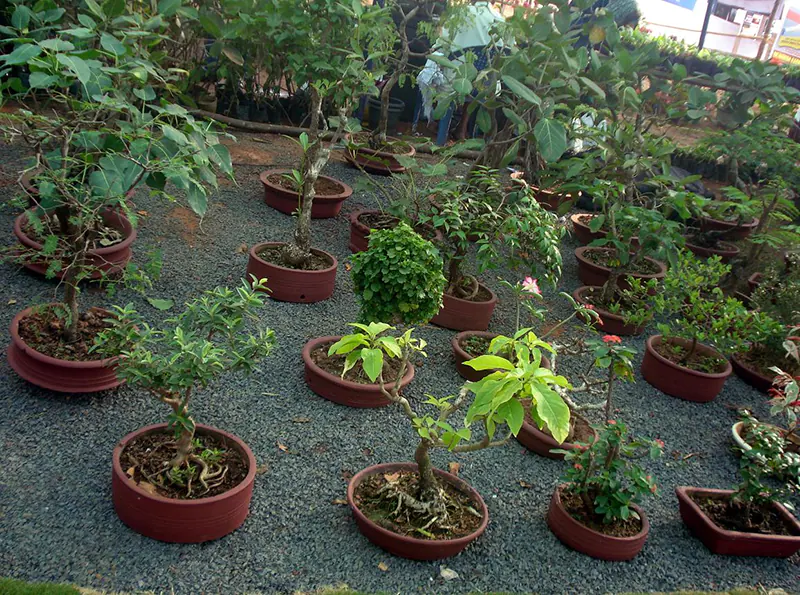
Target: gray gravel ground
<point>56,518</point>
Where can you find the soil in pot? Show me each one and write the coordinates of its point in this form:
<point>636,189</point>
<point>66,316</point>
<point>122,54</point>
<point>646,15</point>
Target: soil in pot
<point>393,147</point>
<point>705,247</point>
<point>612,312</point>
<point>274,255</point>
<point>606,257</point>
<point>699,362</point>
<point>378,507</point>
<point>148,454</point>
<point>334,364</point>
<point>322,187</point>
<point>731,516</point>
<point>377,221</point>
<point>577,508</point>
<point>43,329</point>
<point>475,345</point>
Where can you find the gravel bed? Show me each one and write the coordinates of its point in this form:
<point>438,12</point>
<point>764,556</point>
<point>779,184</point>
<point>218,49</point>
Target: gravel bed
<point>57,522</point>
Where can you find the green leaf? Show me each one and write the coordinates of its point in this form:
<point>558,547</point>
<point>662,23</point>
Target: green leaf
<point>114,8</point>
<point>22,54</point>
<point>40,80</point>
<point>77,65</point>
<point>167,8</point>
<point>521,90</point>
<point>515,415</point>
<point>593,86</point>
<point>21,17</point>
<point>160,304</point>
<point>95,8</point>
<point>233,55</point>
<point>373,362</point>
<point>112,45</point>
<point>551,137</point>
<point>57,45</point>
<point>197,198</point>
<point>489,362</point>
<point>553,411</point>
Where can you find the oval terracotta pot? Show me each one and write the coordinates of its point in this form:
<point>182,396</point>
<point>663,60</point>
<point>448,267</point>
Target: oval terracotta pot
<point>581,230</point>
<point>378,162</point>
<point>359,233</point>
<point>596,275</point>
<point>541,443</point>
<point>750,375</point>
<point>462,356</point>
<point>410,547</point>
<point>286,201</point>
<point>735,543</point>
<point>338,390</point>
<point>181,521</point>
<point>725,250</point>
<point>754,280</point>
<point>733,231</point>
<point>55,374</point>
<point>463,315</point>
<point>293,285</point>
<point>613,324</point>
<point>109,260</point>
<point>678,381</point>
<point>581,538</point>
<point>550,199</point>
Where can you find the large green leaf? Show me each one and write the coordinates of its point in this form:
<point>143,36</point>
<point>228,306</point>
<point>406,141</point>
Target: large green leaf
<point>112,44</point>
<point>489,362</point>
<point>22,54</point>
<point>553,411</point>
<point>521,90</point>
<point>77,65</point>
<point>373,362</point>
<point>551,137</point>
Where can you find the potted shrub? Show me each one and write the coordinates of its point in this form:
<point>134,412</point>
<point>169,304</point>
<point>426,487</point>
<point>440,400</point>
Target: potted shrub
<point>399,279</point>
<point>346,369</point>
<point>687,359</point>
<point>332,64</point>
<point>181,481</point>
<point>113,128</point>
<point>595,511</point>
<point>751,520</point>
<point>735,217</point>
<point>424,526</point>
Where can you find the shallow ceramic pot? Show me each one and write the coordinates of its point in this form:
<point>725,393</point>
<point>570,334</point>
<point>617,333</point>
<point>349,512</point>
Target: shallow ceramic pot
<point>541,443</point>
<point>750,375</point>
<point>612,324</point>
<point>377,162</point>
<point>359,232</point>
<point>596,275</point>
<point>725,250</point>
<point>286,201</point>
<point>464,315</point>
<point>732,231</point>
<point>582,231</point>
<point>293,285</point>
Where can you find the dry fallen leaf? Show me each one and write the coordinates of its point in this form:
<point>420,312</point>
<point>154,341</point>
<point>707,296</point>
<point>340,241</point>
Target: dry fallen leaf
<point>12,302</point>
<point>262,469</point>
<point>242,249</point>
<point>383,566</point>
<point>391,477</point>
<point>301,420</point>
<point>448,574</point>
<point>454,468</point>
<point>339,502</point>
<point>283,447</point>
<point>347,266</point>
<point>148,487</point>
<point>525,484</point>
<point>129,472</point>
<point>143,213</point>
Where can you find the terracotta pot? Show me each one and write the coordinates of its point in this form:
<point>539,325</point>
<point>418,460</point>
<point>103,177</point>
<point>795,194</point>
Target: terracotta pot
<point>550,199</point>
<point>110,260</point>
<point>181,521</point>
<point>678,381</point>
<point>462,356</point>
<point>750,375</point>
<point>378,162</point>
<point>733,231</point>
<point>581,538</point>
<point>735,543</point>
<point>287,201</point>
<point>410,547</point>
<point>463,315</point>
<point>725,250</point>
<point>613,324</point>
<point>359,232</point>
<point>541,443</point>
<point>344,392</point>
<point>293,285</point>
<point>581,229</point>
<point>754,280</point>
<point>55,374</point>
<point>596,275</point>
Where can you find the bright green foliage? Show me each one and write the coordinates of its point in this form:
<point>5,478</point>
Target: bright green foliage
<point>10,586</point>
<point>610,354</point>
<point>399,279</point>
<point>518,378</point>
<point>605,474</point>
<point>370,347</point>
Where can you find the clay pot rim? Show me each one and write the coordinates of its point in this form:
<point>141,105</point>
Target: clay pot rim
<point>579,297</point>
<point>347,191</point>
<point>364,230</point>
<point>145,495</point>
<point>127,228</point>
<point>717,375</point>
<point>458,482</point>
<point>493,299</point>
<point>255,248</point>
<point>685,493</point>
<point>745,366</point>
<point>376,153</point>
<point>749,226</point>
<point>46,359</point>
<point>659,275</point>
<point>575,218</point>
<point>456,341</point>
<point>611,538</point>
<point>307,359</point>
<point>731,252</point>
<point>755,278</point>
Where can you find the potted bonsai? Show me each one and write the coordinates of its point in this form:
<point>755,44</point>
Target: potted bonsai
<point>721,222</point>
<point>113,128</point>
<point>687,359</point>
<point>182,481</point>
<point>439,514</point>
<point>333,66</point>
<point>751,520</point>
<point>595,511</point>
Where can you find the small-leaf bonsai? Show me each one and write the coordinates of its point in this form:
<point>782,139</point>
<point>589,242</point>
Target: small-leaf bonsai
<point>208,339</point>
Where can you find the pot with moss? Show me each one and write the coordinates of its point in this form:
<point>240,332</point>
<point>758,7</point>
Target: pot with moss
<point>282,192</point>
<point>181,481</point>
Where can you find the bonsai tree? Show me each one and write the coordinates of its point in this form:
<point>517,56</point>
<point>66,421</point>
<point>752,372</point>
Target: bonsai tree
<point>607,478</point>
<point>108,124</point>
<point>208,339</point>
<point>399,278</point>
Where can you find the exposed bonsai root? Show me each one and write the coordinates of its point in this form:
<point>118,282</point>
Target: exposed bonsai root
<point>208,479</point>
<point>293,256</point>
<point>465,292</point>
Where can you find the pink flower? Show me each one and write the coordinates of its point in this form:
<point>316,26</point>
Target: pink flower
<point>578,466</point>
<point>530,285</point>
<point>612,422</point>
<point>517,175</point>
<point>660,443</point>
<point>612,339</point>
<point>653,488</point>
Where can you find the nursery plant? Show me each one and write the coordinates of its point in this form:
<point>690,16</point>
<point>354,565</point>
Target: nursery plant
<point>98,113</point>
<point>399,278</point>
<point>595,510</point>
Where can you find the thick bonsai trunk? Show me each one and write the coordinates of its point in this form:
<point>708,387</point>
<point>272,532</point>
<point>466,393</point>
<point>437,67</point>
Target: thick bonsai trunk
<point>184,448</point>
<point>71,280</point>
<point>456,285</point>
<point>429,489</point>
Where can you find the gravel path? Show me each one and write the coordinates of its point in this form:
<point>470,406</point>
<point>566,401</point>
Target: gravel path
<point>56,517</point>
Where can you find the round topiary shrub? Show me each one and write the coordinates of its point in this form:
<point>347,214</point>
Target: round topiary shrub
<point>399,278</point>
